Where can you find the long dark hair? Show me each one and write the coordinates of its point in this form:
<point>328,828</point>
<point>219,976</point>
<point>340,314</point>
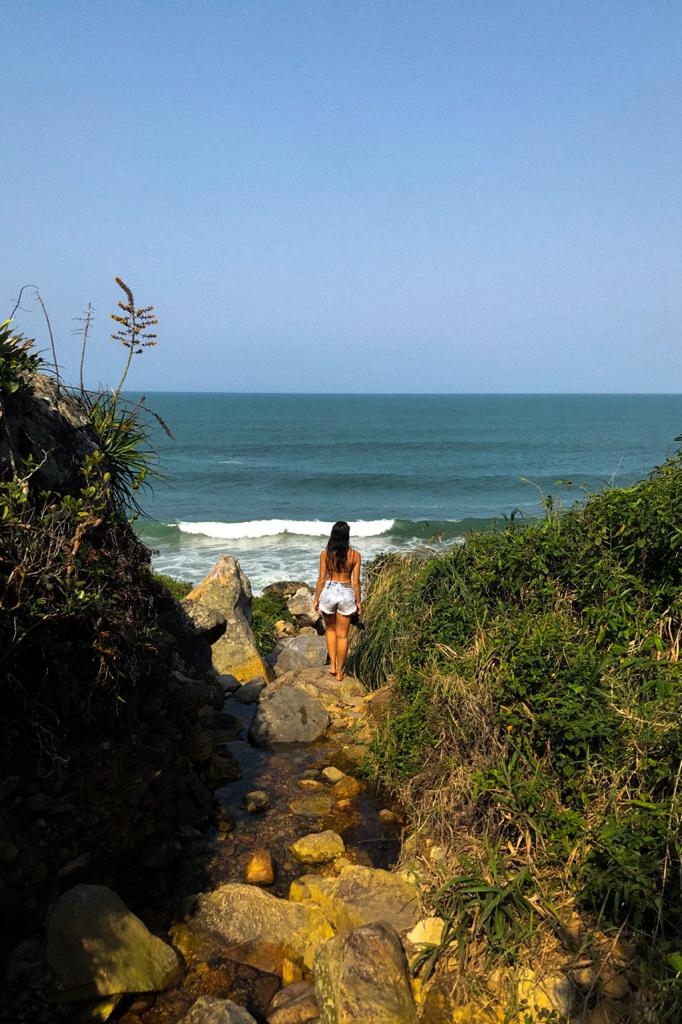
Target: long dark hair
<point>337,547</point>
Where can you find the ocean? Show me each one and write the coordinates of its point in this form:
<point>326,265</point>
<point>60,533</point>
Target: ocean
<point>263,477</point>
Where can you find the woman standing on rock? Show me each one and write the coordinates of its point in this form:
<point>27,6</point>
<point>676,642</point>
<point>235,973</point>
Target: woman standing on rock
<point>337,594</point>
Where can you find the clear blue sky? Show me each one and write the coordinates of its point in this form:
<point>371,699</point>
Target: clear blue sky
<point>352,196</point>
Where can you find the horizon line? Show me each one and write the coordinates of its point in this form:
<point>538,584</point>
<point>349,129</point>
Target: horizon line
<point>412,394</point>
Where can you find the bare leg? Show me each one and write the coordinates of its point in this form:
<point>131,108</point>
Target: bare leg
<point>342,628</point>
<point>330,637</point>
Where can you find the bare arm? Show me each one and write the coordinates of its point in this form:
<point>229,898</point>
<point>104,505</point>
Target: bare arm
<point>356,582</point>
<point>320,579</point>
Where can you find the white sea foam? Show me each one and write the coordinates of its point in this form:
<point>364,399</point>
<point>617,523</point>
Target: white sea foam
<point>275,527</point>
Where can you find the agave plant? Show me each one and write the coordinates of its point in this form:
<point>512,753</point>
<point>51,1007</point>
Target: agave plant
<point>16,359</point>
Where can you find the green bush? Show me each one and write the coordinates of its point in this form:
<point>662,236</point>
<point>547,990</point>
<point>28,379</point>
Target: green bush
<point>572,628</point>
<point>178,588</point>
<point>266,610</point>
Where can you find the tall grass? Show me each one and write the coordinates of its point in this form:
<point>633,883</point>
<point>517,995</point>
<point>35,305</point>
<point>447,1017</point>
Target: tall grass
<point>537,710</point>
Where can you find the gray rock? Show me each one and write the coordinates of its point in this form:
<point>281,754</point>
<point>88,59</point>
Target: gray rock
<point>209,622</point>
<point>248,693</point>
<point>298,652</point>
<point>226,589</point>
<point>247,924</point>
<point>257,800</point>
<point>98,947</point>
<point>286,716</point>
<point>300,605</point>
<point>228,683</point>
<point>362,976</point>
<point>210,1010</point>
<point>295,1004</point>
<point>286,587</point>
<point>321,684</point>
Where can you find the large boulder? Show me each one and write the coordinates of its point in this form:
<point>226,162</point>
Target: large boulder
<point>210,1010</point>
<point>97,947</point>
<point>287,716</point>
<point>251,926</point>
<point>298,652</point>
<point>362,976</point>
<point>360,895</point>
<point>285,587</point>
<point>321,684</point>
<point>208,621</point>
<point>226,589</point>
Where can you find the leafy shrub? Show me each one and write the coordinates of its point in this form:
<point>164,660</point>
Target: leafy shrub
<point>566,634</point>
<point>178,588</point>
<point>266,610</point>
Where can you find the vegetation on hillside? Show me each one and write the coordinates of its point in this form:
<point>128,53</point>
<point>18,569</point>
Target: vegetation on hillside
<point>77,605</point>
<point>536,729</point>
<point>266,610</point>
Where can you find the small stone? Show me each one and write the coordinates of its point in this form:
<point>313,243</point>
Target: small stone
<point>224,820</point>
<point>428,931</point>
<point>345,805</point>
<point>318,847</point>
<point>332,774</point>
<point>311,785</point>
<point>248,693</point>
<point>223,768</point>
<point>260,870</point>
<point>313,805</point>
<point>311,773</point>
<point>388,817</point>
<point>291,973</point>
<point>295,1004</point>
<point>346,788</point>
<point>256,801</point>
<point>210,1010</point>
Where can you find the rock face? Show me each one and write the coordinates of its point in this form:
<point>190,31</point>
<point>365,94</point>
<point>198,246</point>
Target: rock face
<point>226,590</point>
<point>209,1010</point>
<point>248,693</point>
<point>98,947</point>
<point>361,895</point>
<point>286,716</point>
<point>210,623</point>
<point>247,924</point>
<point>362,976</point>
<point>297,652</point>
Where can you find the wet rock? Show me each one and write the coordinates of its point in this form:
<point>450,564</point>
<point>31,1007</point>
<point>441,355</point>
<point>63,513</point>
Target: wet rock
<point>295,1004</point>
<point>210,1010</point>
<point>362,976</point>
<point>287,716</point>
<point>388,817</point>
<point>332,774</point>
<point>227,590</point>
<point>260,870</point>
<point>311,785</point>
<point>256,801</point>
<point>253,927</point>
<point>318,847</point>
<point>224,820</point>
<point>313,805</point>
<point>360,895</point>
<point>98,947</point>
<point>298,652</point>
<point>210,623</point>
<point>223,768</point>
<point>248,693</point>
<point>346,788</point>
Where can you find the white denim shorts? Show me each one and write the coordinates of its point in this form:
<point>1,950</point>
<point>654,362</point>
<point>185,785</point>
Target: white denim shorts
<point>337,597</point>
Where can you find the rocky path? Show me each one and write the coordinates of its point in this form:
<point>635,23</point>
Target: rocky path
<point>288,908</point>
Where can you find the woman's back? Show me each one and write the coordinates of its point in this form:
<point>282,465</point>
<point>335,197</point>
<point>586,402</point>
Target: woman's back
<point>335,574</point>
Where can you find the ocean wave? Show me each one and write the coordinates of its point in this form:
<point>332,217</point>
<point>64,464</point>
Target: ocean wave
<point>276,527</point>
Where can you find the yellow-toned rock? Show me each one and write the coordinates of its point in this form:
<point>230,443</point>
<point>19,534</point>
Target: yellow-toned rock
<point>427,932</point>
<point>260,870</point>
<point>291,973</point>
<point>318,847</point>
<point>346,788</point>
<point>361,895</point>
